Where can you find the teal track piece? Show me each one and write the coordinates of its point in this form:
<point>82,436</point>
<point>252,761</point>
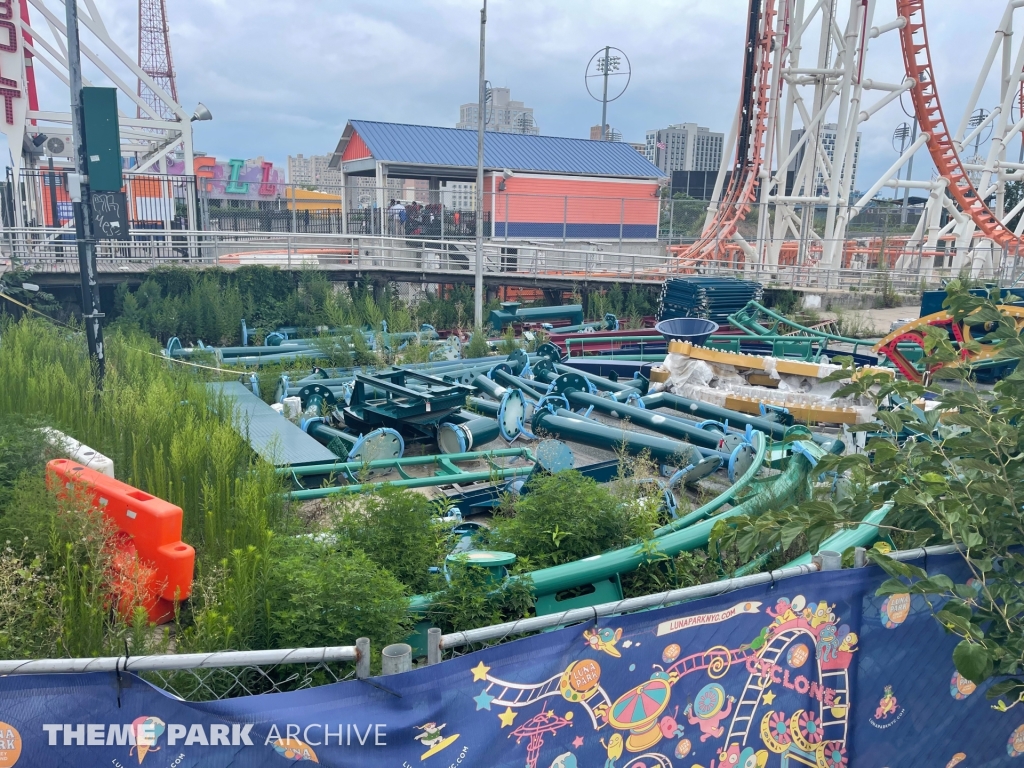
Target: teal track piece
<point>270,434</point>
<point>865,533</point>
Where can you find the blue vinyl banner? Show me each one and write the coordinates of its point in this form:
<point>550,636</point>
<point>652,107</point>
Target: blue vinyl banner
<point>811,671</point>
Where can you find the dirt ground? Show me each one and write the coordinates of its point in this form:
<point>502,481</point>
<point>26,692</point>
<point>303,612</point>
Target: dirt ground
<point>876,322</point>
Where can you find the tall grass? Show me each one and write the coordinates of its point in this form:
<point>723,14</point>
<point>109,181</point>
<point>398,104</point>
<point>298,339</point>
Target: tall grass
<point>165,431</point>
<point>256,586</point>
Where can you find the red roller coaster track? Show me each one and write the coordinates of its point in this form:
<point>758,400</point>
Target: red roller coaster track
<point>742,190</point>
<point>918,62</point>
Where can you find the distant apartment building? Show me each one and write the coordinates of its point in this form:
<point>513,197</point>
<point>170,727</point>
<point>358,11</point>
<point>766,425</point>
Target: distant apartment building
<point>312,171</point>
<point>610,134</point>
<point>827,136</point>
<point>459,195</point>
<point>684,147</point>
<point>502,114</point>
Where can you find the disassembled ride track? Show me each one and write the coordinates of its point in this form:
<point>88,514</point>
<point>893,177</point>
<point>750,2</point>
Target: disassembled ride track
<point>737,201</point>
<point>972,348</point>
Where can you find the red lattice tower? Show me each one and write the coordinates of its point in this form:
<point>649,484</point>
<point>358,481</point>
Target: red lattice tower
<point>155,57</point>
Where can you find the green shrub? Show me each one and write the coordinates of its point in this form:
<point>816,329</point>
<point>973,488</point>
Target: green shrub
<point>472,599</point>
<point>394,527</point>
<point>566,517</point>
<point>477,346</point>
<point>321,595</point>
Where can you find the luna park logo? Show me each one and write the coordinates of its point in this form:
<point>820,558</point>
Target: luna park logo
<point>889,712</point>
<point>10,745</point>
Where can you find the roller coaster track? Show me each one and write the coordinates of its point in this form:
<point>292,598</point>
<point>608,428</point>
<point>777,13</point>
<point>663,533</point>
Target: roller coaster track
<point>716,242</point>
<point>508,694</point>
<point>918,63</point>
<point>742,190</point>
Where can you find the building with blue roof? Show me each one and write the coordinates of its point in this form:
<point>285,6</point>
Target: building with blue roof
<point>534,186</point>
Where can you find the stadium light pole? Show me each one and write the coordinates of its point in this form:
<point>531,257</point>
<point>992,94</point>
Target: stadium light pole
<point>478,281</point>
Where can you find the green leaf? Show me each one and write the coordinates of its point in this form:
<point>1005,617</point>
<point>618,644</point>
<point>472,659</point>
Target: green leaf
<point>891,587</point>
<point>972,661</point>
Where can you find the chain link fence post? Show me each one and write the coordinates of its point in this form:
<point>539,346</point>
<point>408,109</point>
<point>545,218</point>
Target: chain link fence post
<point>433,645</point>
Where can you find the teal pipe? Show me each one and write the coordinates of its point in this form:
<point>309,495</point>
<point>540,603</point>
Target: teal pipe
<point>602,383</point>
<point>464,478</point>
<point>789,486</point>
<point>511,312</point>
<point>514,381</point>
<point>698,408</point>
<point>464,431</point>
<point>447,462</point>
<point>667,425</point>
<point>571,426</point>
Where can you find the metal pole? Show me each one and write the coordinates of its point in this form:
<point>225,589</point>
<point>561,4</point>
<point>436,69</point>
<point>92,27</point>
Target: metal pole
<point>295,222</point>
<point>433,645</point>
<point>363,658</point>
<point>622,219</point>
<point>396,658</point>
<point>910,173</point>
<point>604,94</point>
<point>478,278</point>
<point>83,223</point>
<point>52,180</point>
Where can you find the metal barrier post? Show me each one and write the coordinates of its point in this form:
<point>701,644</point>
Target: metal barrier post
<point>830,560</point>
<point>396,658</point>
<point>622,219</point>
<point>565,221</point>
<point>433,645</point>
<point>363,658</point>
<point>289,250</point>
<point>295,224</point>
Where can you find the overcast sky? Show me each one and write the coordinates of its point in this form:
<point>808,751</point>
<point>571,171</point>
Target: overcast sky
<point>283,76</point>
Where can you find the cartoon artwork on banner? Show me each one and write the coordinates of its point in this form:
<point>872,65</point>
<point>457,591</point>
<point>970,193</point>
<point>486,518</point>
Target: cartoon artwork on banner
<point>812,672</point>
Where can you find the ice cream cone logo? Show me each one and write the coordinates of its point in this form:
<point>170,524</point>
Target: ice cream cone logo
<point>147,731</point>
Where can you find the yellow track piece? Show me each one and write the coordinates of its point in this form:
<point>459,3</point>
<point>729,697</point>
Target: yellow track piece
<point>759,363</point>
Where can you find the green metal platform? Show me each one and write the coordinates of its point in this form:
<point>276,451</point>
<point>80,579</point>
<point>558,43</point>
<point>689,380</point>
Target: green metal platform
<point>270,434</point>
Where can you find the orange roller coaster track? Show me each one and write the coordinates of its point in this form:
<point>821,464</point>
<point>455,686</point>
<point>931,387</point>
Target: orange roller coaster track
<point>742,190</point>
<point>918,62</point>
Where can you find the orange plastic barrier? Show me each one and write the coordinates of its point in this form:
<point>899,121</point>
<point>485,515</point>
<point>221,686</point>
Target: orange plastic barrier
<point>147,526</point>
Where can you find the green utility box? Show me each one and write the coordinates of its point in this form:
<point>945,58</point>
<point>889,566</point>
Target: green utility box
<point>102,139</point>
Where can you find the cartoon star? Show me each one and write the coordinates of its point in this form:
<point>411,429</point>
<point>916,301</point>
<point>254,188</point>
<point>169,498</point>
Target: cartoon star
<point>483,701</point>
<point>480,672</point>
<point>768,698</point>
<point>507,717</point>
<point>577,742</point>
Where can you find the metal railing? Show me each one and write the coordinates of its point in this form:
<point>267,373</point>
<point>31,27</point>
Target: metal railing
<point>52,251</point>
<point>425,260</point>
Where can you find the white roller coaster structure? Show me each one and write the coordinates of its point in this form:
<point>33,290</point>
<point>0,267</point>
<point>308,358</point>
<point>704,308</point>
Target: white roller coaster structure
<point>785,198</point>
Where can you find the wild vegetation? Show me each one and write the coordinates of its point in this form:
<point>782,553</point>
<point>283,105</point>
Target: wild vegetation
<point>266,575</point>
<point>210,305</point>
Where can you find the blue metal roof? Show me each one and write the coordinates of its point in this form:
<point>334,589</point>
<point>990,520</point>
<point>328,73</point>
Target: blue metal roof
<point>455,147</point>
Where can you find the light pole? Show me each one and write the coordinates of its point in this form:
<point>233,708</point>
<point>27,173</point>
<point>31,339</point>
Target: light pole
<point>478,278</point>
<point>604,66</point>
<point>83,206</point>
<point>606,63</point>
